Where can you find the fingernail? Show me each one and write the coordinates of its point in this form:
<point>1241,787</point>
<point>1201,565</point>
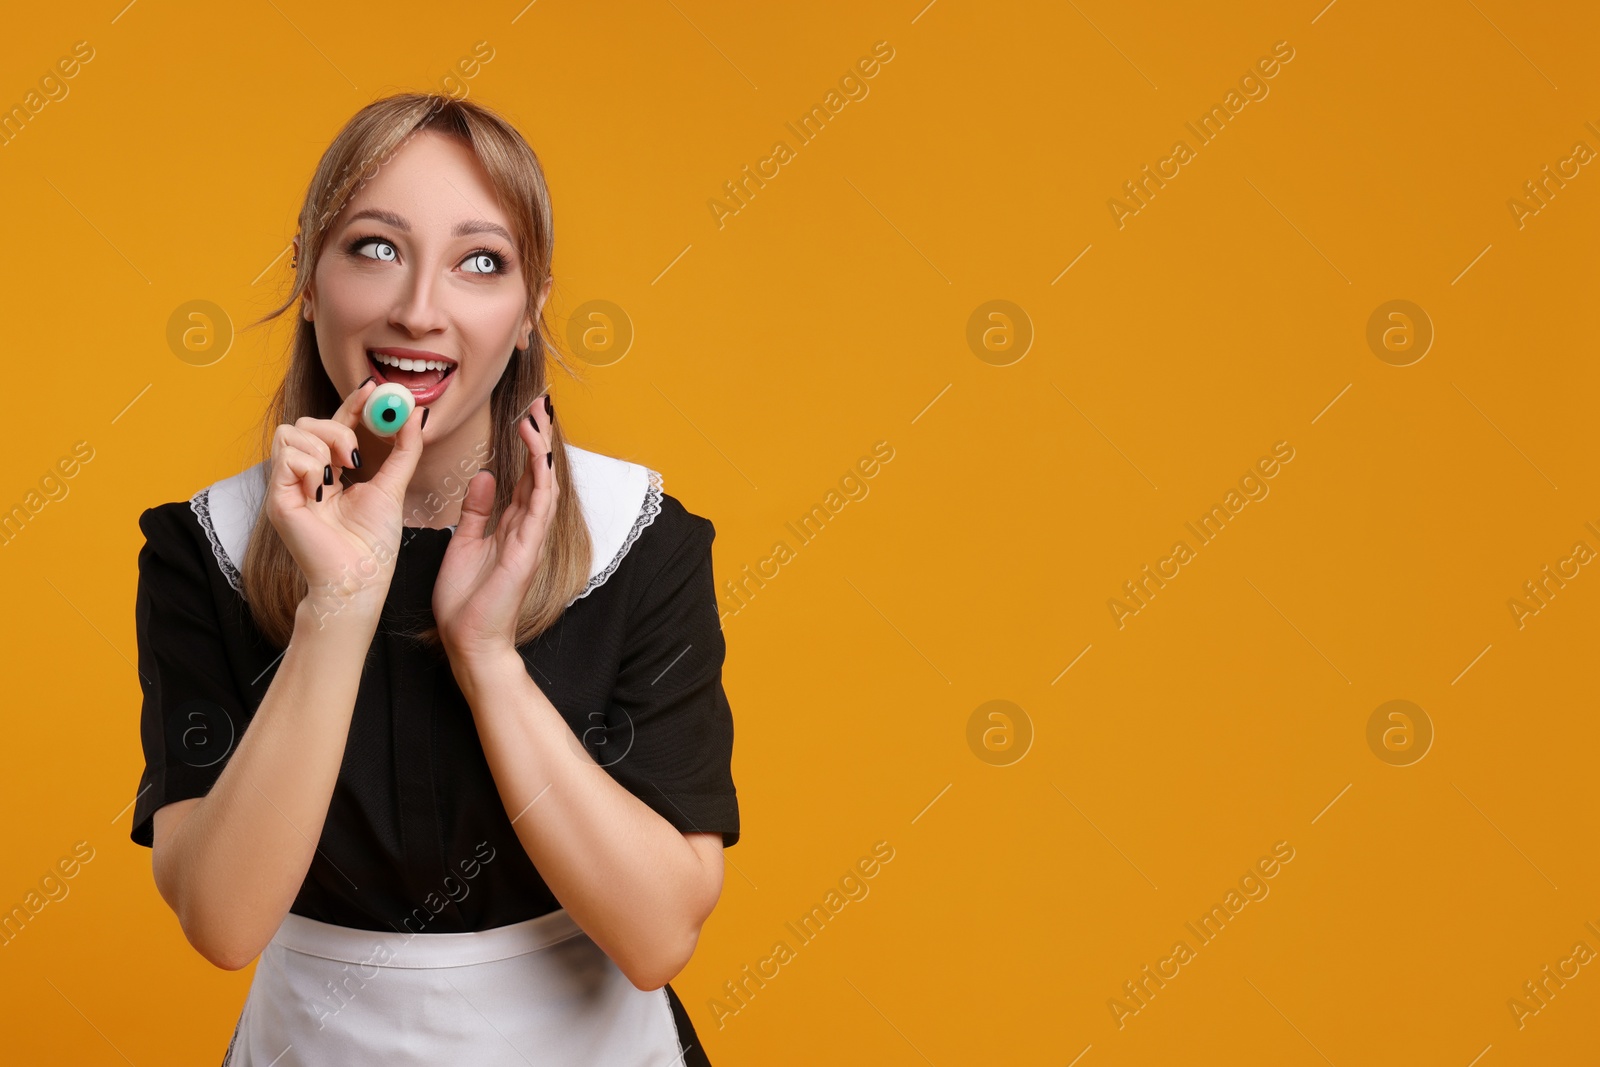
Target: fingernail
<point>532,421</point>
<point>549,406</point>
<point>327,474</point>
<point>424,425</point>
<point>319,494</point>
<point>355,457</point>
<point>549,459</point>
<point>370,377</point>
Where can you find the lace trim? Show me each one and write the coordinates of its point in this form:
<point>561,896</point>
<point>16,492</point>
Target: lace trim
<point>647,515</point>
<point>200,504</point>
<point>227,1057</point>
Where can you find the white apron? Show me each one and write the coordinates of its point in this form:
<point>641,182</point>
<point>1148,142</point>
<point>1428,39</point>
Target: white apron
<point>537,992</point>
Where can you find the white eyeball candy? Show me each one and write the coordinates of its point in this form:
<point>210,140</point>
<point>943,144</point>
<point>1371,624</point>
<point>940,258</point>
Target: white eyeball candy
<point>388,408</point>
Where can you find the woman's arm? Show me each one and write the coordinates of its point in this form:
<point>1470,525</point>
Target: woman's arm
<point>233,864</point>
<point>636,884</point>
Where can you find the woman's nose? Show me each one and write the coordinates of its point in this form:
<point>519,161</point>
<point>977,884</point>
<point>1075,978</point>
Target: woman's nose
<point>417,308</point>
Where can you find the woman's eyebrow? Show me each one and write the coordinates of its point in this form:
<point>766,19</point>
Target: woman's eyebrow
<point>461,229</point>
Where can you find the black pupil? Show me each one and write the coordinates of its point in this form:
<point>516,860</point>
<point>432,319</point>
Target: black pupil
<point>388,416</point>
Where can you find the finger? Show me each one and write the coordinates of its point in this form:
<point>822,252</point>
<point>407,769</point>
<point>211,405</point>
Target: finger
<point>306,440</point>
<point>349,412</point>
<point>538,491</point>
<point>395,473</point>
<point>537,472</point>
<point>304,472</point>
<point>475,505</point>
<point>310,452</point>
<point>339,439</point>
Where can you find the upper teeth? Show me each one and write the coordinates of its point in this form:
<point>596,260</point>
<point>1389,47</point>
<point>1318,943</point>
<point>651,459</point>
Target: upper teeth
<point>410,364</point>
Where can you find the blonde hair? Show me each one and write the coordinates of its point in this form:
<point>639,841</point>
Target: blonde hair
<point>273,584</point>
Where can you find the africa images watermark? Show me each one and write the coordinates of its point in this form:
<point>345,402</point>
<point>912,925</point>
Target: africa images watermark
<point>852,886</point>
<point>1212,523</point>
<point>1541,190</point>
<point>53,888</point>
<point>852,86</point>
<point>53,487</point>
<point>1252,885</point>
<point>52,90</point>
<point>1254,87</point>
<point>740,591</point>
<point>336,995</point>
<point>1541,590</point>
<point>1550,983</point>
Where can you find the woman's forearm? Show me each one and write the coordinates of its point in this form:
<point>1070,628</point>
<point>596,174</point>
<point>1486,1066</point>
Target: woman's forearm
<point>624,874</point>
<point>235,864</point>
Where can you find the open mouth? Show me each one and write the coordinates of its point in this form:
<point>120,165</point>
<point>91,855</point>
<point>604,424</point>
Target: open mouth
<point>419,376</point>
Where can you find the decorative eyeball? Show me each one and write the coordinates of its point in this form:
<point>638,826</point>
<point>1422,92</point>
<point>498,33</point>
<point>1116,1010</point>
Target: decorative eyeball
<point>388,408</point>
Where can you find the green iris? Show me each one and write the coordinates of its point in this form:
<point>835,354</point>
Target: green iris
<point>388,408</point>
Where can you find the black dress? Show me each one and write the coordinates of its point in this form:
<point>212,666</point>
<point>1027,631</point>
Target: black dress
<point>417,838</point>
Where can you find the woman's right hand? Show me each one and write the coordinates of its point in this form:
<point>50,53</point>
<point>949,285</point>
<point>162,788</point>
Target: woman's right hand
<point>346,542</point>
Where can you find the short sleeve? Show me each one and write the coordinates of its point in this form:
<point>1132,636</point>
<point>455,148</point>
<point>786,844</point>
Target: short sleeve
<point>669,736</point>
<point>192,715</point>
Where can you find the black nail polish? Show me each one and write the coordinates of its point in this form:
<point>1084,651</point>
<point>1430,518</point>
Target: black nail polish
<point>355,458</point>
<point>549,406</point>
<point>549,459</point>
<point>370,378</point>
<point>424,425</point>
<point>533,421</point>
<point>319,494</point>
<point>327,474</point>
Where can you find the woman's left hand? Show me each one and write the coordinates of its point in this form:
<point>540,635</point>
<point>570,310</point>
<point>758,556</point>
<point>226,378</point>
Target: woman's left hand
<point>483,581</point>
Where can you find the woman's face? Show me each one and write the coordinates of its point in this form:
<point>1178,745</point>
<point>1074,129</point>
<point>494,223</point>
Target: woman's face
<point>420,265</point>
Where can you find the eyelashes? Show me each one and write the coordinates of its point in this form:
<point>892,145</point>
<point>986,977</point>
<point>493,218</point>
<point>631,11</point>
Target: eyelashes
<point>500,259</point>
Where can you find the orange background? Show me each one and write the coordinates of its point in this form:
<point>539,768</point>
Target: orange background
<point>833,311</point>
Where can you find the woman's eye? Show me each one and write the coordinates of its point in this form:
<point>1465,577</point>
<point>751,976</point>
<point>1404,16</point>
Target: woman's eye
<point>387,251</point>
<point>481,261</point>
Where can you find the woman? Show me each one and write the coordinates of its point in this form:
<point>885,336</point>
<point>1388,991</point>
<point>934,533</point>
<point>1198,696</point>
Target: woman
<point>447,747</point>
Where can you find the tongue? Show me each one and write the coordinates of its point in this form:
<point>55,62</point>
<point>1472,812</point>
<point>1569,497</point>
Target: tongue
<point>416,380</point>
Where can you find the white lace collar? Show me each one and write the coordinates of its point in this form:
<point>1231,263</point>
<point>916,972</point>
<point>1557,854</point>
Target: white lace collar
<point>619,499</point>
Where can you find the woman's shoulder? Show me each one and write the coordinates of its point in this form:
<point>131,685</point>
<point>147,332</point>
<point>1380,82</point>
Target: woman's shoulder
<point>214,521</point>
<point>675,529</point>
<point>632,519</point>
<point>171,530</point>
